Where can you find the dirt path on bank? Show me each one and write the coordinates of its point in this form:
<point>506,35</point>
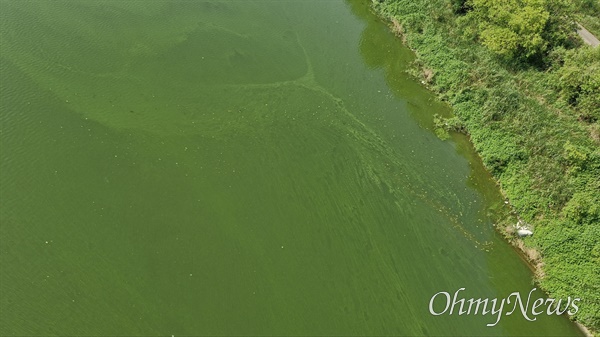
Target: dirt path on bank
<point>587,37</point>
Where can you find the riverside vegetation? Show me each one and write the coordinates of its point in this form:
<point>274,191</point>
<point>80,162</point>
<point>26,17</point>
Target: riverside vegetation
<point>527,92</point>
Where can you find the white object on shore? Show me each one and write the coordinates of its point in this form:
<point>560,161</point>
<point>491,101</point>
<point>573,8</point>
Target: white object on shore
<point>523,229</point>
<point>524,232</point>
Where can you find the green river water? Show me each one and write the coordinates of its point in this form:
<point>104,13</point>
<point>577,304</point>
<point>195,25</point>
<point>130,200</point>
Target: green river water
<point>235,168</point>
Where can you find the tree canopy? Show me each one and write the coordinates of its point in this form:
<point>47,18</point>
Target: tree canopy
<point>520,28</point>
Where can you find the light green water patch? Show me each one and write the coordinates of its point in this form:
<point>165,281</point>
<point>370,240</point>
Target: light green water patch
<point>283,185</point>
<point>121,81</point>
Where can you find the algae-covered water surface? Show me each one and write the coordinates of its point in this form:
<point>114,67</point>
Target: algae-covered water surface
<point>234,168</point>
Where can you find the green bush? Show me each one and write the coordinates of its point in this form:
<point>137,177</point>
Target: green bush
<point>578,81</point>
<point>583,208</point>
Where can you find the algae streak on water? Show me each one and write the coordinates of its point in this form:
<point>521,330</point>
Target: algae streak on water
<point>234,168</point>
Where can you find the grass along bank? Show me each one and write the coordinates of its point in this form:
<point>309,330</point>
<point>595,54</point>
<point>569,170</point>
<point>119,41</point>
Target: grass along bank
<point>527,93</point>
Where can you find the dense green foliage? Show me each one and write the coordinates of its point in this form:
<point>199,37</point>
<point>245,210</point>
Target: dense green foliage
<point>527,92</point>
<point>511,28</point>
<point>577,79</point>
<point>522,29</point>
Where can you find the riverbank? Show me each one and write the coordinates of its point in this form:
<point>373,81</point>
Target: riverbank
<point>536,129</point>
